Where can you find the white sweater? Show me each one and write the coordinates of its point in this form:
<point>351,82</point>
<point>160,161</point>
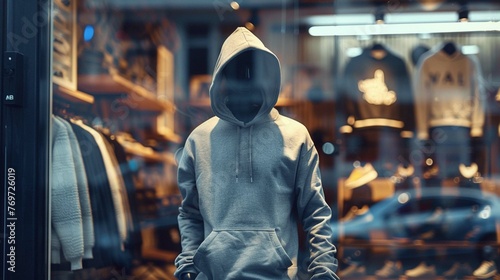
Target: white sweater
<point>83,191</point>
<point>448,92</point>
<point>66,213</point>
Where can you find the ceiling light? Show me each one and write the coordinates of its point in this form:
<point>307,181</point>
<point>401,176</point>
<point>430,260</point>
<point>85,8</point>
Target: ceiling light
<point>390,18</point>
<point>463,14</point>
<point>379,16</point>
<point>420,17</point>
<point>397,29</point>
<point>430,5</point>
<point>341,19</point>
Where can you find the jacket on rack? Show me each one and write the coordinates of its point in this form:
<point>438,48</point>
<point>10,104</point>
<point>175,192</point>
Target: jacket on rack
<point>108,247</point>
<point>245,187</point>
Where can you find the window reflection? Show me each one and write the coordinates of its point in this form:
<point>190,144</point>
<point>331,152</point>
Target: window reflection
<point>404,115</point>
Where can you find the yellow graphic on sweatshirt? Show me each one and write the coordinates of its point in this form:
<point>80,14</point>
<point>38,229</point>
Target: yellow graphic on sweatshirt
<point>375,90</point>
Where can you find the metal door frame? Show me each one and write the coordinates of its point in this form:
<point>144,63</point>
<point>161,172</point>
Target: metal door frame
<point>26,29</point>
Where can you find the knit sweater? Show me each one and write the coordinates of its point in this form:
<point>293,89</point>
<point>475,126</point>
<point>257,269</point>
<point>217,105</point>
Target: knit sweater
<point>66,212</point>
<point>83,192</point>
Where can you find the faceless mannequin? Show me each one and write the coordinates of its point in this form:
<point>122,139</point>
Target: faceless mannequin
<point>242,90</point>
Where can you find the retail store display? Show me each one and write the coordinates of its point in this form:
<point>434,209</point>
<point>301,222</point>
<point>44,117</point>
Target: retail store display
<point>361,175</point>
<point>72,222</point>
<point>111,147</point>
<point>376,90</point>
<point>487,270</point>
<point>449,105</point>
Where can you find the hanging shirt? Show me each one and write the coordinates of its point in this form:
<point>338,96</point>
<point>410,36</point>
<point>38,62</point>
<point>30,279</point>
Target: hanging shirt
<point>376,91</point>
<point>448,92</point>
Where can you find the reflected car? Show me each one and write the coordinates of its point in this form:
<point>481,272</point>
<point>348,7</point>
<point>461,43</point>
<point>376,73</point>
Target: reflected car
<point>431,214</point>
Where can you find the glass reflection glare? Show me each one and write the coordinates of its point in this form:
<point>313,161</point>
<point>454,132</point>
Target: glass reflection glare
<point>403,198</point>
<point>485,213</point>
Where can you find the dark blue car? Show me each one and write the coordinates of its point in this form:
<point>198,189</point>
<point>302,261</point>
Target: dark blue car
<point>450,213</point>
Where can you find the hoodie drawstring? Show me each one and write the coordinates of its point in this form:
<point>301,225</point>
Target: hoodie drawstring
<point>238,154</point>
<point>250,144</point>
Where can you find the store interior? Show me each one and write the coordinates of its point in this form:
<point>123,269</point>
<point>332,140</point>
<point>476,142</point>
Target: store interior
<point>131,80</point>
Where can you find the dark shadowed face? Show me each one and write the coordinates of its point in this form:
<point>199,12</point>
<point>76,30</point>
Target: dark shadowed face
<point>242,91</point>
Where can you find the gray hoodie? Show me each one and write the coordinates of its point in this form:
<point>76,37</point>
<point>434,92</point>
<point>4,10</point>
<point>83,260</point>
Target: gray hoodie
<point>246,186</point>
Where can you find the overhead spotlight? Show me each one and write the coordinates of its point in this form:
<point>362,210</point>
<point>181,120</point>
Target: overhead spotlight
<point>430,5</point>
<point>463,14</point>
<point>379,16</point>
<point>253,21</point>
<point>235,5</point>
<point>249,25</point>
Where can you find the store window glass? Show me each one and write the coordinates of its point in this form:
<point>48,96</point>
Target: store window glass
<point>401,99</point>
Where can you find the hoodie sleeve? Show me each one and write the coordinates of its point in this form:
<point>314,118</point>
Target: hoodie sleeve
<point>189,219</point>
<point>315,215</point>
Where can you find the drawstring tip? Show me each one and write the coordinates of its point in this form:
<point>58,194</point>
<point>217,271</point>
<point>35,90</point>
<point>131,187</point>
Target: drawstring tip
<point>251,179</point>
<point>236,179</point>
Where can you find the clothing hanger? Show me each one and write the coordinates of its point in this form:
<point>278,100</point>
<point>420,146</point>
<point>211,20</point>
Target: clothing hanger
<point>70,111</point>
<point>449,48</point>
<point>378,50</point>
<point>378,47</point>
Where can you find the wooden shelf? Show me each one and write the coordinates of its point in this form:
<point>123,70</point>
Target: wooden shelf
<point>151,156</point>
<point>137,97</point>
<point>168,135</point>
<point>74,96</point>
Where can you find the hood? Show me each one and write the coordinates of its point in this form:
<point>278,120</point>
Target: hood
<point>266,71</point>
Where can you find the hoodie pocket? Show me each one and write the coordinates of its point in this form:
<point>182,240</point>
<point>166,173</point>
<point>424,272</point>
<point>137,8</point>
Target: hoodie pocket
<point>242,254</point>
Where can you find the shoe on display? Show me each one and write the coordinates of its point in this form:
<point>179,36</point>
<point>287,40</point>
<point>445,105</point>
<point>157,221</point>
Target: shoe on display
<point>432,172</point>
<point>355,211</point>
<point>391,269</point>
<point>468,171</point>
<point>351,214</point>
<point>486,270</point>
<point>421,271</point>
<point>353,271</point>
<point>457,270</point>
<point>406,171</point>
<point>360,176</point>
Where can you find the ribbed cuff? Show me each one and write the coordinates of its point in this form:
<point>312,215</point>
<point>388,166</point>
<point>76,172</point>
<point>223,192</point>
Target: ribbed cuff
<point>87,254</point>
<point>476,132</point>
<point>76,264</point>
<point>55,256</point>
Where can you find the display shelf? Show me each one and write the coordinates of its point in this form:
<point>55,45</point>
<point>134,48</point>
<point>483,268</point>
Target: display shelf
<point>152,156</point>
<point>137,96</point>
<point>168,135</point>
<point>73,96</point>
